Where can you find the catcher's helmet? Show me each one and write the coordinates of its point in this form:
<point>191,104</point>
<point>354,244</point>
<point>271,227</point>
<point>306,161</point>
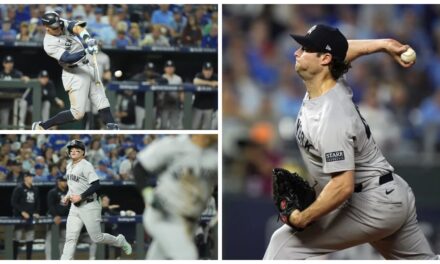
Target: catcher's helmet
<point>76,144</point>
<point>51,19</point>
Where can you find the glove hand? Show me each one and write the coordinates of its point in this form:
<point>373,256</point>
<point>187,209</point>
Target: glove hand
<point>92,50</point>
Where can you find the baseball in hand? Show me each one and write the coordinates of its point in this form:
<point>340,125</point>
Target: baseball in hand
<point>118,74</point>
<point>408,56</point>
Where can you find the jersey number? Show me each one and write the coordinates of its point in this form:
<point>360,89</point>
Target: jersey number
<point>367,128</point>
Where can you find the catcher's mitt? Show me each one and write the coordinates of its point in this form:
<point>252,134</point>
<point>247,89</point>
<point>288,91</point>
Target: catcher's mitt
<point>291,192</point>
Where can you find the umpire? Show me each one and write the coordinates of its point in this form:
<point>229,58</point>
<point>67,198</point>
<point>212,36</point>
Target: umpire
<point>25,202</point>
<point>57,210</point>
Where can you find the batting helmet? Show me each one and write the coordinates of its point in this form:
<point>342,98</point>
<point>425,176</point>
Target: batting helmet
<point>51,19</point>
<point>76,144</point>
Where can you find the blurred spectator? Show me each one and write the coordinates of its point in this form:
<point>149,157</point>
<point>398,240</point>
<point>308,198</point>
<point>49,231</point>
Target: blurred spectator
<point>39,32</point>
<point>205,102</point>
<point>210,40</point>
<point>177,26</point>
<point>162,16</point>
<point>40,176</point>
<point>430,122</point>
<point>104,172</point>
<point>48,98</point>
<point>121,40</point>
<point>7,34</point>
<point>22,14</point>
<point>15,174</point>
<point>126,110</point>
<point>169,103</point>
<point>24,35</point>
<point>192,34</point>
<point>54,172</point>
<point>125,169</point>
<point>3,174</point>
<point>95,153</point>
<point>213,21</point>
<point>135,34</point>
<point>155,38</point>
<point>7,74</point>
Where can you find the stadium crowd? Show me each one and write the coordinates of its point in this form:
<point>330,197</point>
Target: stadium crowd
<point>262,93</point>
<point>119,25</point>
<point>46,157</point>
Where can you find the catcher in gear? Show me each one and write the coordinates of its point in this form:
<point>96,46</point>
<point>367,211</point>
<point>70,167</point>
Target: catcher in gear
<point>360,198</point>
<point>291,192</point>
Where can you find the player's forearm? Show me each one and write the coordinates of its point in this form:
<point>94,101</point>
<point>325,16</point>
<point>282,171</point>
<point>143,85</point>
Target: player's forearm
<point>358,48</point>
<point>334,194</point>
<point>91,190</point>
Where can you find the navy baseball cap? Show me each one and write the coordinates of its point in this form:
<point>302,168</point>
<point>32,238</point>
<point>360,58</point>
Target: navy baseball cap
<point>39,166</point>
<point>207,65</point>
<point>99,10</point>
<point>169,63</point>
<point>43,73</point>
<point>323,38</point>
<point>149,66</point>
<point>8,58</point>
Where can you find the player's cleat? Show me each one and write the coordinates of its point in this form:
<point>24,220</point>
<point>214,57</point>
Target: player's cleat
<point>126,247</point>
<point>112,126</point>
<point>37,126</point>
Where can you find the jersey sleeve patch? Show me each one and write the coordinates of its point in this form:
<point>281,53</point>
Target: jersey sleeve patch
<point>334,156</point>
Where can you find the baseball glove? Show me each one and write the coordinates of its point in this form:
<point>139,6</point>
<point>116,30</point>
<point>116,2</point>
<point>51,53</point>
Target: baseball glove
<point>291,192</point>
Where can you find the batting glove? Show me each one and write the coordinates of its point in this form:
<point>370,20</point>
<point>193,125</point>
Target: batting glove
<point>92,50</point>
<point>91,42</point>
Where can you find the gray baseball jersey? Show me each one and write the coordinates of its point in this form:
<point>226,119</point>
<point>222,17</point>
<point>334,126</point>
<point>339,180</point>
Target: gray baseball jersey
<point>333,137</point>
<point>87,213</point>
<point>187,175</point>
<point>80,176</point>
<point>79,78</point>
<point>175,158</point>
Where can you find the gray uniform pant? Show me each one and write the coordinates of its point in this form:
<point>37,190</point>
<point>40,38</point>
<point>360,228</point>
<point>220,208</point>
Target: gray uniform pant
<point>80,83</point>
<point>88,214</point>
<point>387,222</point>
<point>173,236</point>
<point>169,118</point>
<point>202,118</point>
<point>48,241</point>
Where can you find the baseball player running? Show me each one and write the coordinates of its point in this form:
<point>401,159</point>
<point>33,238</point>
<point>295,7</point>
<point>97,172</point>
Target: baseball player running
<point>85,209</point>
<point>69,42</point>
<point>186,168</point>
<point>361,199</point>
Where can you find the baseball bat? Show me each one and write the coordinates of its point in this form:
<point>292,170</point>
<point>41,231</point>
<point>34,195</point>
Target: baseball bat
<point>95,64</point>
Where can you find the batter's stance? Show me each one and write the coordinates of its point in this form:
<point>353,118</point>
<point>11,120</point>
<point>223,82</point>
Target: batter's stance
<point>68,42</point>
<point>361,199</point>
<point>186,168</point>
<point>85,209</point>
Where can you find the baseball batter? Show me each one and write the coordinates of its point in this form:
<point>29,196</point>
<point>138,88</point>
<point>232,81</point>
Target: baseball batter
<point>361,199</point>
<point>69,42</point>
<point>85,209</point>
<point>186,168</point>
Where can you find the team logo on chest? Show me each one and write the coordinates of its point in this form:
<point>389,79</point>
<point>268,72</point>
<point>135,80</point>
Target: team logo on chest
<point>301,138</point>
<point>68,44</point>
<point>30,197</point>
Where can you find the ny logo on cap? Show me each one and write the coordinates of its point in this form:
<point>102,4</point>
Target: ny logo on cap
<point>311,29</point>
<point>328,47</point>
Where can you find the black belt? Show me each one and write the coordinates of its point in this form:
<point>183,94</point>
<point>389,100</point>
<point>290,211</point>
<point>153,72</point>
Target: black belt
<point>382,180</point>
<point>86,201</point>
<point>76,65</point>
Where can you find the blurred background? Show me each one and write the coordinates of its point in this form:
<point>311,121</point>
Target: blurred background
<point>262,95</point>
<point>140,40</point>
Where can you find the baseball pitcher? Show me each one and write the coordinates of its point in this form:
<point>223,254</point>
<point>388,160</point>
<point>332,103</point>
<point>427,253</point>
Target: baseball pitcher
<point>69,42</point>
<point>360,198</point>
<point>186,171</point>
<point>85,209</point>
